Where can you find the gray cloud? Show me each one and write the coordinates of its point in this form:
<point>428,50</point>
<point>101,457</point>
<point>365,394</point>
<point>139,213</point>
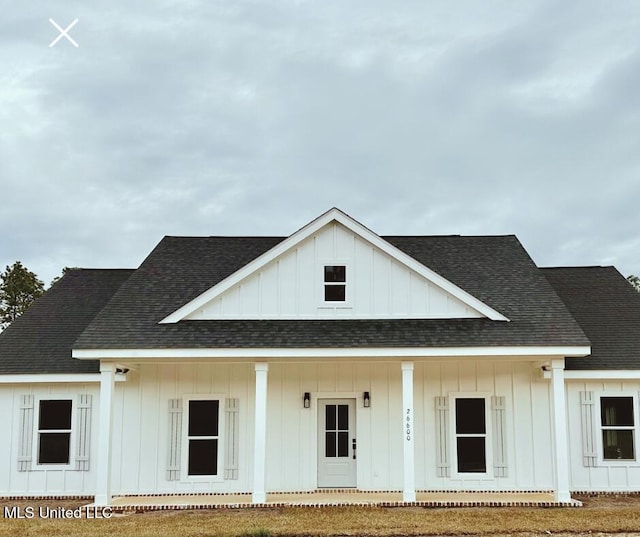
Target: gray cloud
<point>246,117</point>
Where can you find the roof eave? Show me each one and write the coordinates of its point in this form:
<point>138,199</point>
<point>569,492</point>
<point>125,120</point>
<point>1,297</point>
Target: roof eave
<point>573,351</point>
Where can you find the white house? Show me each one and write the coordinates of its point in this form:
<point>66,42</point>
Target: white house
<point>332,358</point>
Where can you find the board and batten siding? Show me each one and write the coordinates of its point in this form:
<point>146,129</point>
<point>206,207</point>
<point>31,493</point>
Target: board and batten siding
<point>291,286</point>
<point>141,424</point>
<point>601,475</point>
<point>141,427</point>
<point>526,425</point>
<point>40,480</point>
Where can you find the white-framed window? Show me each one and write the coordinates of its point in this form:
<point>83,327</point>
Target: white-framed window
<point>617,424</point>
<point>335,283</point>
<point>53,432</point>
<point>202,442</point>
<point>470,429</point>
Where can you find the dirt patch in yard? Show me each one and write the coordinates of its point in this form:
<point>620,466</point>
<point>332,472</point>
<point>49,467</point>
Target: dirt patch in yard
<point>611,501</point>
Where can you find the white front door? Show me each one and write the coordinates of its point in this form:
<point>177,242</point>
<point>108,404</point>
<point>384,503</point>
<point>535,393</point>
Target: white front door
<point>337,443</point>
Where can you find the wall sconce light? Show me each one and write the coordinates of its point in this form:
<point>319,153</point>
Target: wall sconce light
<point>307,400</point>
<point>366,399</point>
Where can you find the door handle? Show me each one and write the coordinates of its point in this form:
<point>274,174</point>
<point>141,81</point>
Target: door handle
<point>353,446</point>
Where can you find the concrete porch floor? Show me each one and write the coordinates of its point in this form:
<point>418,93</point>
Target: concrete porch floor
<point>339,498</point>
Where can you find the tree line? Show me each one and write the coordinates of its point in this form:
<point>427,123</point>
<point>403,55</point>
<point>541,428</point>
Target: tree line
<point>19,287</point>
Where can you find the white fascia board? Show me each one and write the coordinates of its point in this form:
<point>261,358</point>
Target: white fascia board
<point>26,378</point>
<point>364,352</point>
<point>363,317</point>
<point>312,227</point>
<point>599,374</point>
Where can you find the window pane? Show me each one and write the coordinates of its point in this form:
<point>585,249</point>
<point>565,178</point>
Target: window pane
<point>55,414</point>
<point>334,293</point>
<point>203,418</point>
<point>618,444</point>
<point>343,444</point>
<point>330,417</point>
<point>343,417</point>
<point>330,444</point>
<point>470,418</point>
<point>471,455</point>
<point>616,410</point>
<point>54,448</point>
<point>335,273</point>
<point>203,457</point>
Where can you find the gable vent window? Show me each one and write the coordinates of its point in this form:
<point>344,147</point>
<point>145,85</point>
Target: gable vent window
<point>54,431</point>
<point>335,283</point>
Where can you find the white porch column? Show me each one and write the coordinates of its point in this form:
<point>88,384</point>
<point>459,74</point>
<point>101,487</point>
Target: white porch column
<point>408,486</point>
<point>260,434</point>
<point>559,409</point>
<point>105,426</point>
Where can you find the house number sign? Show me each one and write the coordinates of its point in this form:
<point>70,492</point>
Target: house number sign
<point>407,425</point>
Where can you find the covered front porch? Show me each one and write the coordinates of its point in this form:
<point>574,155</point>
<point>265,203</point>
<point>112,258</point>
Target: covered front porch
<point>274,418</point>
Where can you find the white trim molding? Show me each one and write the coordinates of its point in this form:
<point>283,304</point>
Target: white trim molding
<point>81,378</point>
<point>599,374</point>
<point>333,215</point>
<point>361,352</point>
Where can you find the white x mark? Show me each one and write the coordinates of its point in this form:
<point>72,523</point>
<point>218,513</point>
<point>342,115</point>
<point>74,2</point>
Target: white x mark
<point>63,33</point>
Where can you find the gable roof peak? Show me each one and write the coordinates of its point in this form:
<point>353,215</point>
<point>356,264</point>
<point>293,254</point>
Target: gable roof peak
<point>333,215</point>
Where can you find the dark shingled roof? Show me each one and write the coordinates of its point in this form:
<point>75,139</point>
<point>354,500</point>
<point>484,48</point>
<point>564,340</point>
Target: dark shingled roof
<point>40,340</point>
<point>608,310</point>
<point>496,270</point>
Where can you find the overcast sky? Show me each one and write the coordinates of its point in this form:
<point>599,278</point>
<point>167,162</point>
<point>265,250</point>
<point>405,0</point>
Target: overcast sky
<point>208,117</point>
